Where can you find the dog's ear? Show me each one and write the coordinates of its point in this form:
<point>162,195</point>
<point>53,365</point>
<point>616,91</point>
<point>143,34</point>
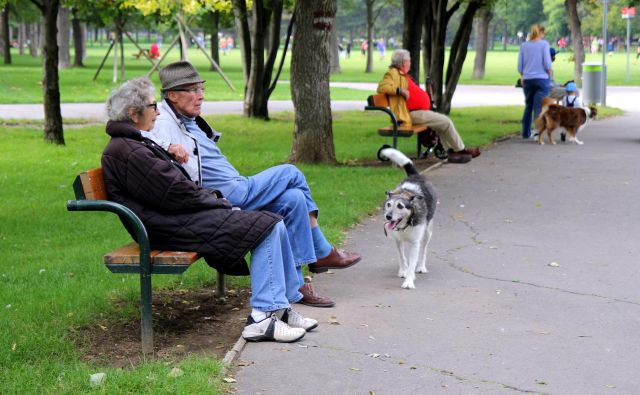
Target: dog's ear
<point>594,111</point>
<point>416,197</point>
<point>388,194</point>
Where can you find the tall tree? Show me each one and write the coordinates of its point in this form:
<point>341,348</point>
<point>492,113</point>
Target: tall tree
<point>53,131</point>
<point>414,18</point>
<point>435,30</point>
<point>481,42</point>
<point>576,37</point>
<point>313,133</point>
<point>6,35</point>
<point>78,38</point>
<point>64,57</point>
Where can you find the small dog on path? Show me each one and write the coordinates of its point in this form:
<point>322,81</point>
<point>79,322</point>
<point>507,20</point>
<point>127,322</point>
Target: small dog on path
<point>408,214</point>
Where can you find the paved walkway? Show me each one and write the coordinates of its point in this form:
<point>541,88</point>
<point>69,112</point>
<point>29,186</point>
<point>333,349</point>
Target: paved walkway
<point>533,285</point>
<point>465,96</point>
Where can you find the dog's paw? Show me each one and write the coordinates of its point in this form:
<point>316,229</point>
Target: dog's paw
<point>578,142</point>
<point>401,273</point>
<point>540,142</point>
<point>422,269</point>
<point>408,284</point>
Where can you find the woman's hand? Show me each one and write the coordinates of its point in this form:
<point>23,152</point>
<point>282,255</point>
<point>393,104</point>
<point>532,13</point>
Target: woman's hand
<point>404,93</point>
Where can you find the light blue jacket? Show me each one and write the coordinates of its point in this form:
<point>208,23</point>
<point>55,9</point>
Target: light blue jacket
<point>534,60</point>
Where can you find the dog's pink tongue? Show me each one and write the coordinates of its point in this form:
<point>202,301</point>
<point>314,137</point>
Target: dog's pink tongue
<point>389,226</point>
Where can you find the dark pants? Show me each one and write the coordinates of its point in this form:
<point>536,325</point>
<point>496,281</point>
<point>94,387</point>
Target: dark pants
<point>534,90</point>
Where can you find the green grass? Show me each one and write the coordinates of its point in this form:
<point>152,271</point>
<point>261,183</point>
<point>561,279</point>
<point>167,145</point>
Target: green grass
<point>52,276</point>
<point>22,79</point>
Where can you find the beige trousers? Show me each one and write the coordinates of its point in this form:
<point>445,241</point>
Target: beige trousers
<point>442,125</point>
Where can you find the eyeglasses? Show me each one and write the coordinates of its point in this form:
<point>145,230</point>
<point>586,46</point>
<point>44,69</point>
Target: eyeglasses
<point>153,105</point>
<point>199,89</point>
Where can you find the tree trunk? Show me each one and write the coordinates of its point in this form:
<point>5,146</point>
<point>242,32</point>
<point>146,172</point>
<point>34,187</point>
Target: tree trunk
<point>414,17</point>
<point>6,35</point>
<point>53,131</point>
<point>184,44</point>
<point>481,42</point>
<point>64,57</point>
<point>576,37</point>
<point>244,36</point>
<point>22,37</point>
<point>34,38</point>
<point>505,36</point>
<point>213,28</point>
<point>313,133</point>
<point>335,53</point>
<point>435,33</point>
<point>370,46</point>
<point>78,39</point>
<point>458,54</point>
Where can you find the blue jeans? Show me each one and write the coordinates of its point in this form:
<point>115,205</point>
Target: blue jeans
<point>283,190</point>
<point>274,279</point>
<point>534,90</point>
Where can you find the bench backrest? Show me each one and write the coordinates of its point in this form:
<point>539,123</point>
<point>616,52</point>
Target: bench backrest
<point>90,185</point>
<point>379,100</point>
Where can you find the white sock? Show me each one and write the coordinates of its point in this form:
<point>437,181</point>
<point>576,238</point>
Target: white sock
<point>258,315</point>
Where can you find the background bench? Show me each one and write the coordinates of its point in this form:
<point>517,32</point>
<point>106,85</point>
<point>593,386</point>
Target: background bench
<point>133,258</point>
<point>380,102</point>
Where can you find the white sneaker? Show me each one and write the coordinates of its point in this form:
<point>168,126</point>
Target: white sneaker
<point>296,320</point>
<point>271,329</point>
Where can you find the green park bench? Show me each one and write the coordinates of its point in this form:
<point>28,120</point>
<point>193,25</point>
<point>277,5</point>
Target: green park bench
<point>133,258</point>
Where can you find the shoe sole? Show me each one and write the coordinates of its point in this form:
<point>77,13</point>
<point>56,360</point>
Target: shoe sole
<point>261,338</point>
<point>325,268</point>
<point>317,304</point>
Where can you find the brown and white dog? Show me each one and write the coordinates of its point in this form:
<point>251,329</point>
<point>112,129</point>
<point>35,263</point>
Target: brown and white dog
<point>571,119</point>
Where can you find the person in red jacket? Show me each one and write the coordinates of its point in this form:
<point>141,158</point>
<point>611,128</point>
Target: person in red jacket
<point>412,105</point>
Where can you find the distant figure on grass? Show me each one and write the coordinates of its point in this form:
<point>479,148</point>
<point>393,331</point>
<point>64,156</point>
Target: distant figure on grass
<point>154,51</point>
<point>411,104</point>
<point>180,215</point>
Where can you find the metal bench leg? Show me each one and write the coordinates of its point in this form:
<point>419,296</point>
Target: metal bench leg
<point>146,314</point>
<point>220,286</point>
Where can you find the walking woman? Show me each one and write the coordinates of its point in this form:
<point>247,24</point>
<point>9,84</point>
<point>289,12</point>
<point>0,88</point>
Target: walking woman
<point>534,66</point>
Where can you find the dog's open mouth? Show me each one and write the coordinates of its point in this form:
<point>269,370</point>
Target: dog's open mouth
<point>390,226</point>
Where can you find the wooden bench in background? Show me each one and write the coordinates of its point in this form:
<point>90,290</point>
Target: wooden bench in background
<point>380,102</point>
<point>133,258</point>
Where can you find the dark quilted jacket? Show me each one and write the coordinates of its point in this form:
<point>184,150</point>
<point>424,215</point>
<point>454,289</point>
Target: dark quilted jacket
<point>178,214</point>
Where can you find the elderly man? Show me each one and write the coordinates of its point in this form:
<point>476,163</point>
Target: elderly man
<point>280,189</point>
<point>411,104</point>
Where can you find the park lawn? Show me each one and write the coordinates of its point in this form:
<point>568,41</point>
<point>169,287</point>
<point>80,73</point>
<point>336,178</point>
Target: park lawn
<point>52,275</point>
<point>21,80</point>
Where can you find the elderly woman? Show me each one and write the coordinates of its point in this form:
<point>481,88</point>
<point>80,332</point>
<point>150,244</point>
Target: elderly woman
<point>180,215</point>
<point>412,104</point>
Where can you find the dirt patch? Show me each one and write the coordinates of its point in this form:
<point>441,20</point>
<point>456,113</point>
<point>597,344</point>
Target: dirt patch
<point>184,322</point>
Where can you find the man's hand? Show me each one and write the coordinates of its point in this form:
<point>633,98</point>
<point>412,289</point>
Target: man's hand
<point>178,152</point>
<point>404,93</point>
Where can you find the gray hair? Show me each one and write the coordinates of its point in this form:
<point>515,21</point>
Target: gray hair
<point>132,94</point>
<point>398,56</point>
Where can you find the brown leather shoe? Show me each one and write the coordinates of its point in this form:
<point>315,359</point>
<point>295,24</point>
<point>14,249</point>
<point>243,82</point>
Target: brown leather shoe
<point>473,151</point>
<point>337,259</point>
<point>458,157</point>
<point>310,298</point>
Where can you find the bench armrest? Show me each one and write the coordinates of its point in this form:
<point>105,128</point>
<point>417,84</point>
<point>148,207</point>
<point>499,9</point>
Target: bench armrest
<point>387,111</point>
<point>130,219</point>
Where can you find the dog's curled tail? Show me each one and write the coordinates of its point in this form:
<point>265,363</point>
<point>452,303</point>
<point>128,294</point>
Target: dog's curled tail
<point>399,159</point>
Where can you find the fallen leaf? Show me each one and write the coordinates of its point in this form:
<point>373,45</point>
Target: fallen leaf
<point>42,271</point>
<point>104,328</point>
<point>97,379</point>
<point>554,264</point>
<point>333,321</point>
<point>229,380</point>
<point>356,369</point>
<point>13,346</point>
<point>374,355</point>
<point>244,363</point>
<point>541,382</point>
<point>175,373</point>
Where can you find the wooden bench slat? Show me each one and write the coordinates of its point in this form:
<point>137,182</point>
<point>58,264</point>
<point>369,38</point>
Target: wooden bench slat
<point>403,131</point>
<point>93,184</point>
<point>130,254</point>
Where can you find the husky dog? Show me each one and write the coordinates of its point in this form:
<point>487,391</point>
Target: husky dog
<point>408,214</point>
